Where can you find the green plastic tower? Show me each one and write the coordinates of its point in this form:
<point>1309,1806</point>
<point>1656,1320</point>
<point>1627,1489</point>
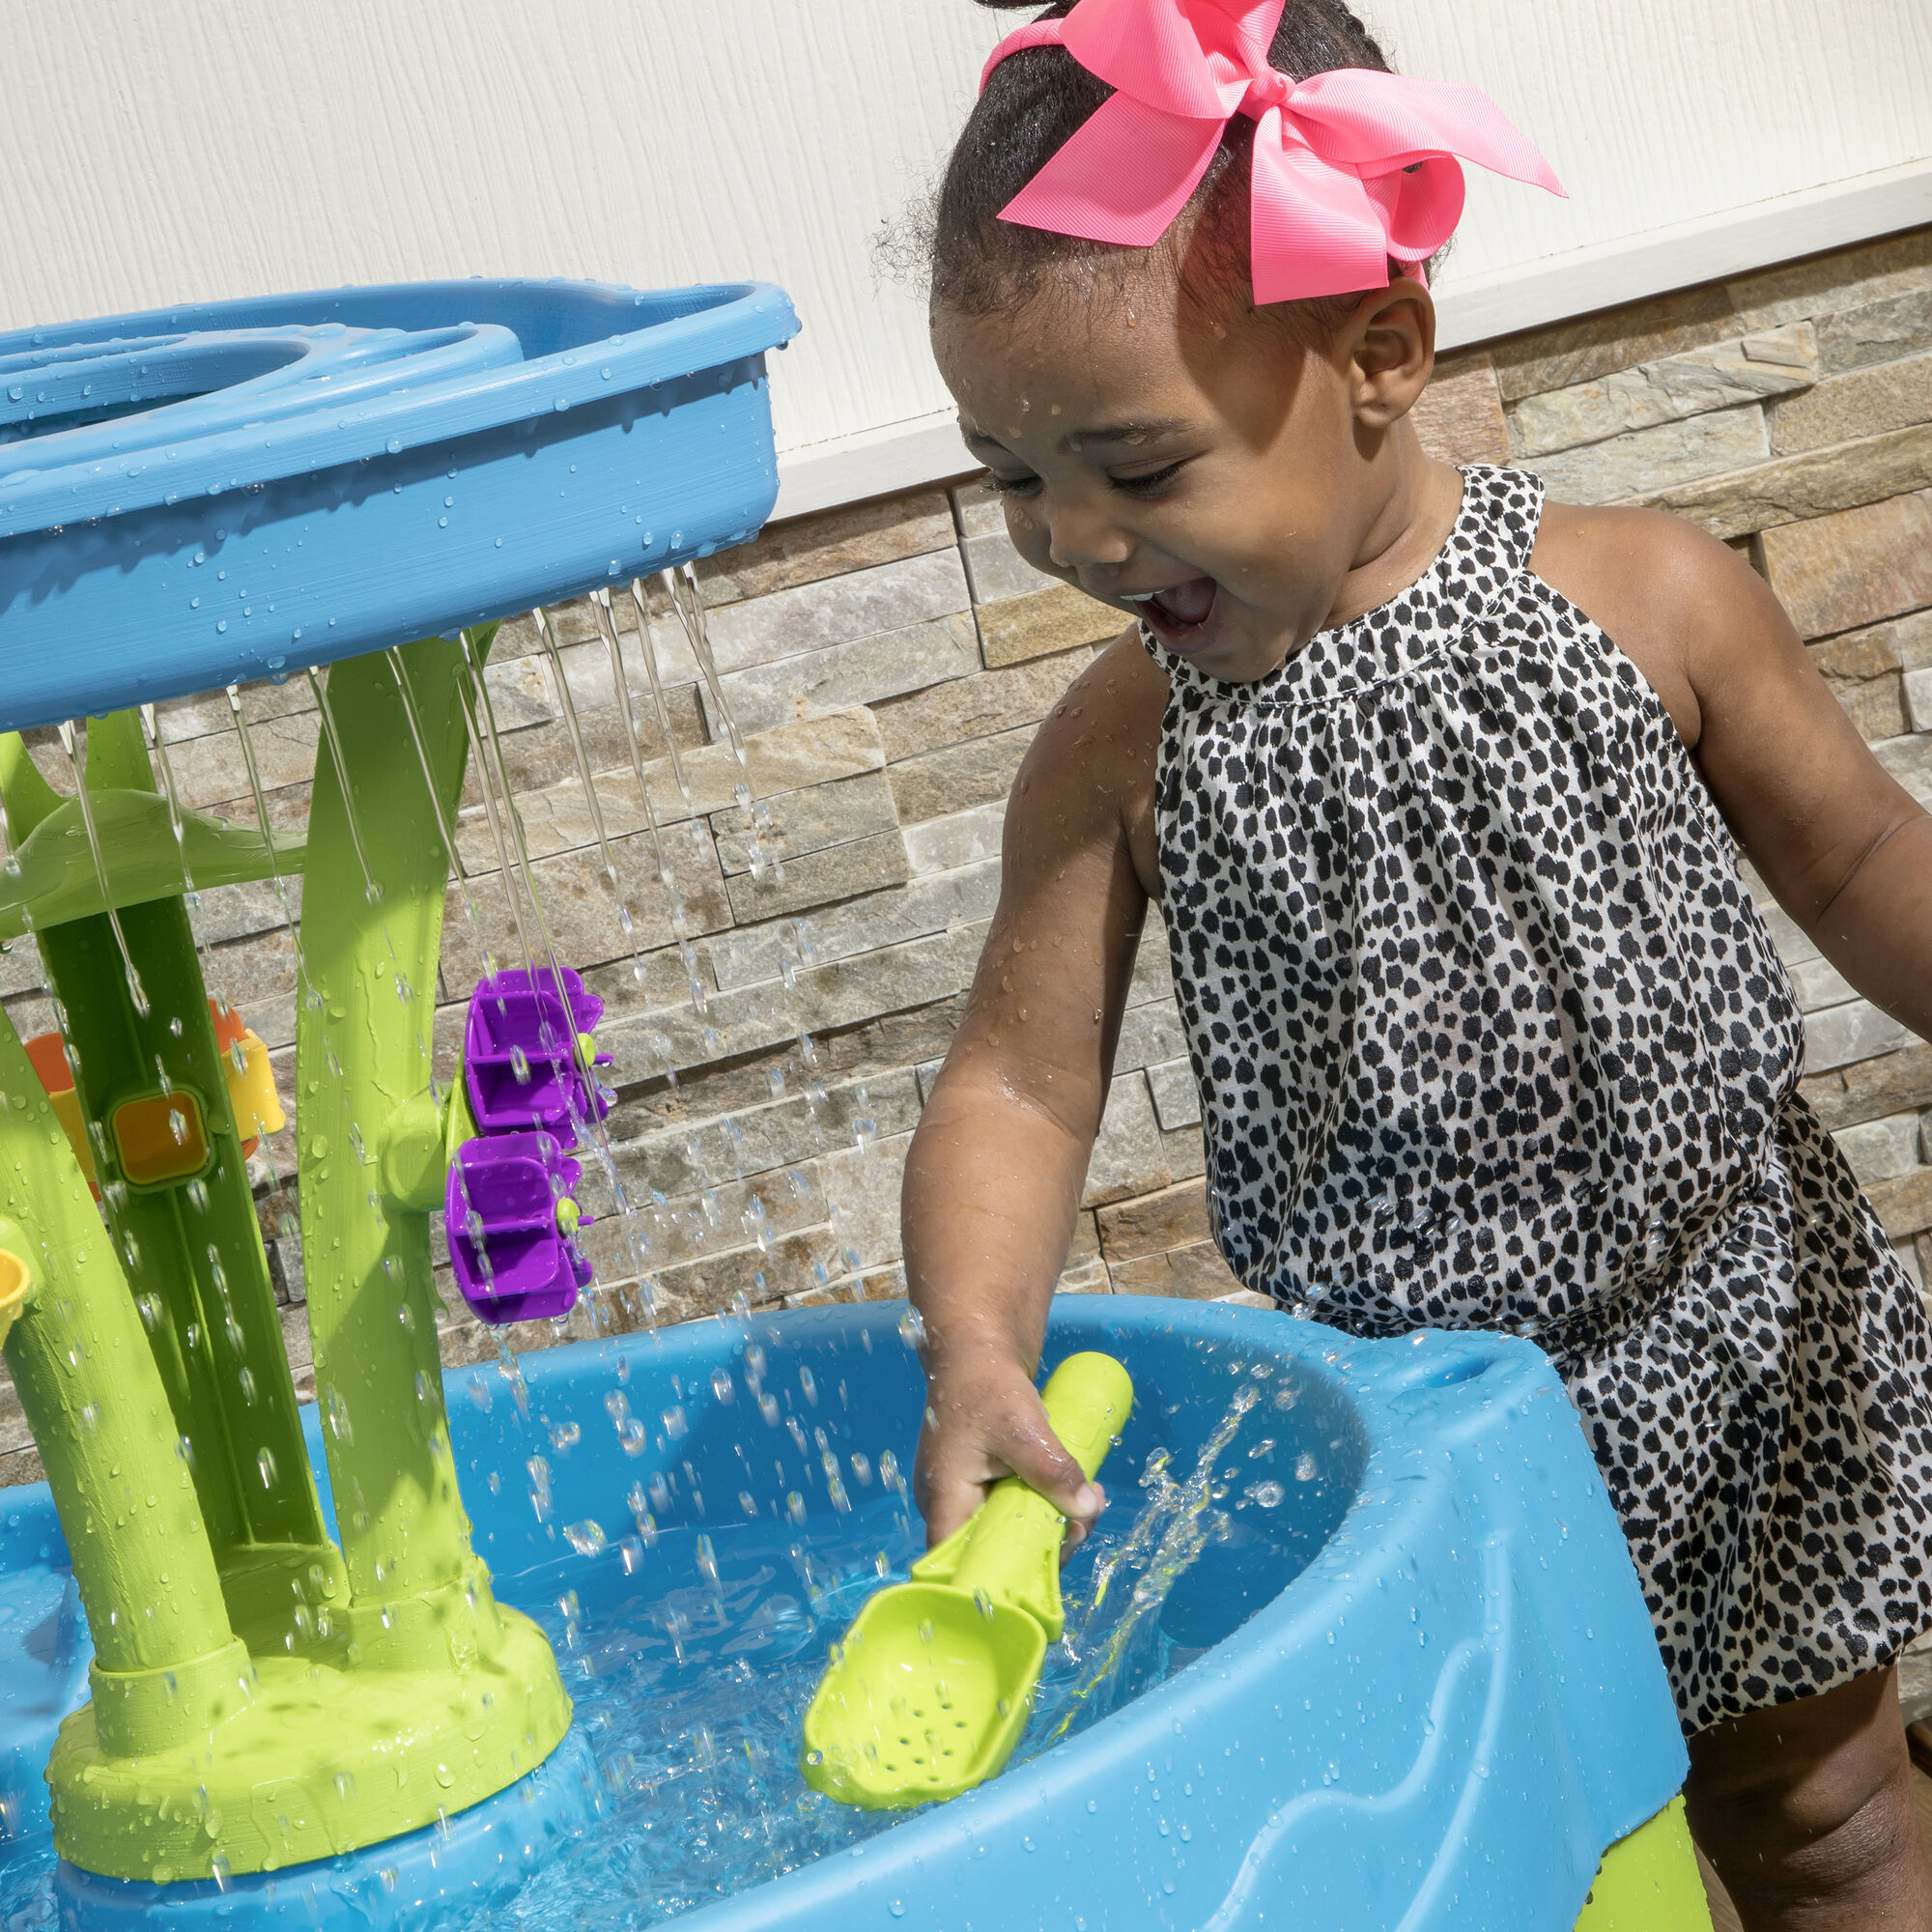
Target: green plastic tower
<point>260,1696</point>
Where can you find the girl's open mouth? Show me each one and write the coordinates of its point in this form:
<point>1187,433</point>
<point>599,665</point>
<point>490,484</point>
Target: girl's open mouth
<point>1179,615</point>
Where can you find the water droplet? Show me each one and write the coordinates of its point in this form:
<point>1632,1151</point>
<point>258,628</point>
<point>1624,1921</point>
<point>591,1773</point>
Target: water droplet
<point>587,1538</point>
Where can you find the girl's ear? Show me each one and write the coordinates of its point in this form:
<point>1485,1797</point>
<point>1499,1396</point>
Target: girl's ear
<point>1390,349</point>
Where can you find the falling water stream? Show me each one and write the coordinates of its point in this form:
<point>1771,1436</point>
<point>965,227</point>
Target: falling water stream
<point>150,726</point>
<point>280,883</point>
<point>591,1130</point>
<point>400,672</point>
<point>76,764</point>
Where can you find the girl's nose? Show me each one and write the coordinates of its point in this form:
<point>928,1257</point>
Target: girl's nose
<point>1082,537</point>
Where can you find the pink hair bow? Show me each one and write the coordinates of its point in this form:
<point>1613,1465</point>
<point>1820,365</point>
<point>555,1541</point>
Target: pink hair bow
<point>1351,168</point>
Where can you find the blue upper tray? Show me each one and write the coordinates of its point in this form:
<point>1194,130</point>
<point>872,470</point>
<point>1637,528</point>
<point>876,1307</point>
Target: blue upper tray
<point>196,495</point>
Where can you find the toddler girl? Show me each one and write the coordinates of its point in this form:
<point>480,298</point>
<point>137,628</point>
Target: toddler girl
<point>1431,780</point>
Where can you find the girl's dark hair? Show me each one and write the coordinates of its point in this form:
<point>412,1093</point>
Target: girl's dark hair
<point>1032,106</point>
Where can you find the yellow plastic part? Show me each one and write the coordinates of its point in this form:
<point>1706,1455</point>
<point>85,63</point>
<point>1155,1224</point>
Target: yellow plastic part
<point>17,1290</point>
<point>160,1138</point>
<point>1649,1882</point>
<point>931,1688</point>
<point>251,1081</point>
<point>252,1089</point>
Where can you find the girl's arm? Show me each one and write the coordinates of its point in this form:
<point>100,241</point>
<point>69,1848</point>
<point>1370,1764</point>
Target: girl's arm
<point>995,1171</point>
<point>1844,847</point>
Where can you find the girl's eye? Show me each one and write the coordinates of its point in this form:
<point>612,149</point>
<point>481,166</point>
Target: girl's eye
<point>1012,486</point>
<point>1150,485</point>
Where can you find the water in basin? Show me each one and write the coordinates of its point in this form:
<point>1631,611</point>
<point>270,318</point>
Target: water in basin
<point>691,1659</point>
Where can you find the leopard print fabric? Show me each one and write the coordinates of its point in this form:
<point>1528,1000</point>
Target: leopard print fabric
<point>1488,1034</point>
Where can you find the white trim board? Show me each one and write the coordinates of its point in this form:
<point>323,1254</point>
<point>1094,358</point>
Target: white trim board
<point>1704,250</point>
<point>903,455</point>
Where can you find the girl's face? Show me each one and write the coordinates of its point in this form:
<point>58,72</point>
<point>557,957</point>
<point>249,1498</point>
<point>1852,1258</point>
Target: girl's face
<point>1214,476</point>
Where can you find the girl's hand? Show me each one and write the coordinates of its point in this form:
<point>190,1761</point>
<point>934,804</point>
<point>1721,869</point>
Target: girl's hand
<point>984,1420</point>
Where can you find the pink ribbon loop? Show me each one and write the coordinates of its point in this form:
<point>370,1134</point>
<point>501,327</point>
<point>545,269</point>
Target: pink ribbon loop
<point>1351,168</point>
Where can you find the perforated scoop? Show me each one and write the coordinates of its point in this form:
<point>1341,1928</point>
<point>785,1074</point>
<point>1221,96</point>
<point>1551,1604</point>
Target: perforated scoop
<point>931,1688</point>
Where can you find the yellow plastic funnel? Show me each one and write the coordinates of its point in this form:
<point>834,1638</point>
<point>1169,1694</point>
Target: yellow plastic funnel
<point>932,1688</point>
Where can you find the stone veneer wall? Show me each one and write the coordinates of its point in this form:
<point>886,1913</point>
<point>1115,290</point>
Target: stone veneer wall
<point>887,663</point>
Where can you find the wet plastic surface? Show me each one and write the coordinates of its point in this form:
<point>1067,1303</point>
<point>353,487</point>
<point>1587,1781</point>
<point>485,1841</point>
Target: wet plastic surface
<point>1425,1689</point>
<point>197,496</point>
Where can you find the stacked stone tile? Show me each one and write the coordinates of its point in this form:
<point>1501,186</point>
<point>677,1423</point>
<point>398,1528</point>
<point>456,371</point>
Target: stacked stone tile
<point>887,663</point>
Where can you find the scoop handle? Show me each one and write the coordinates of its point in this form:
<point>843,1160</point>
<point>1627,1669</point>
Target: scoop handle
<point>1088,1398</point>
<point>1012,1546</point>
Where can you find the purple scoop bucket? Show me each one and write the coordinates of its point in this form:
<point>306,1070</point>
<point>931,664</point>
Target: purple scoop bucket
<point>521,1057</point>
<point>510,1215</point>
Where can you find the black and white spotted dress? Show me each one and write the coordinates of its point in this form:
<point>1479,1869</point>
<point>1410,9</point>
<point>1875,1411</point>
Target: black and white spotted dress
<point>1488,1034</point>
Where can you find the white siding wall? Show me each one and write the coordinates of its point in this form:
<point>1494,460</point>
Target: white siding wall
<point>213,148</point>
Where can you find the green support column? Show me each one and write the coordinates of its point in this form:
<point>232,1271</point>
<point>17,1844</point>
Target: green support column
<point>367,1008</point>
<point>191,1247</point>
<point>93,1399</point>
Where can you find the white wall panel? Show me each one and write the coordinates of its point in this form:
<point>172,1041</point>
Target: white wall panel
<point>206,147</point>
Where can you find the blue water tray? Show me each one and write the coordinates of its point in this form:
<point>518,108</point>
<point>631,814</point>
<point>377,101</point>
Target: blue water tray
<point>1427,1693</point>
<point>191,497</point>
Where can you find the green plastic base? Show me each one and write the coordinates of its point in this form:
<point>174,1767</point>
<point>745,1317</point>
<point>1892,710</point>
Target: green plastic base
<point>1649,1882</point>
<point>306,1760</point>
<point>261,1697</point>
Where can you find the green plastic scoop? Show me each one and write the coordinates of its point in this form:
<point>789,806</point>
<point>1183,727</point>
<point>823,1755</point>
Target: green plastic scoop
<point>929,1691</point>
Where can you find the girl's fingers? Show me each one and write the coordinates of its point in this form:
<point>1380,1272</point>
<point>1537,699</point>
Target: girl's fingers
<point>1036,1455</point>
<point>971,1439</point>
<point>946,1496</point>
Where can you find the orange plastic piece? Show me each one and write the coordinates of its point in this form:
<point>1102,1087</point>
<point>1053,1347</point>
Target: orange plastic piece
<point>160,1138</point>
<point>48,1053</point>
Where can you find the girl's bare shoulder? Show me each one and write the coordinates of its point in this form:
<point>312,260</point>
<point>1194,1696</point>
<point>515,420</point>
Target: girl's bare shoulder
<point>1670,596</point>
<point>1090,773</point>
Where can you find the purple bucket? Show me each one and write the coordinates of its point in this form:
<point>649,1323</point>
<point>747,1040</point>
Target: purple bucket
<point>521,1060</point>
<point>513,1257</point>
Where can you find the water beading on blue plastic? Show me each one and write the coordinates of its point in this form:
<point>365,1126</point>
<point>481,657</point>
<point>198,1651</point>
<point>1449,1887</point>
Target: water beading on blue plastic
<point>1358,1645</point>
<point>196,495</point>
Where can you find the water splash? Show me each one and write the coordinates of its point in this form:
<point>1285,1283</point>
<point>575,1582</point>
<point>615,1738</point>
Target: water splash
<point>1178,1522</point>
